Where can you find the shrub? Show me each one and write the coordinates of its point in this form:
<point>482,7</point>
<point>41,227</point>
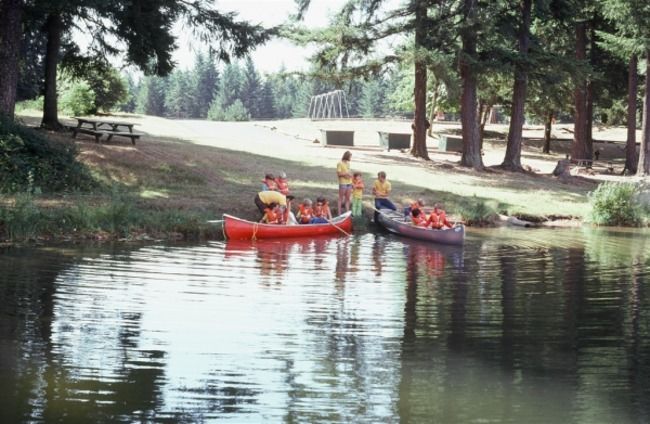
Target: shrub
<point>477,212</point>
<point>78,98</point>
<point>615,204</point>
<point>21,222</point>
<point>29,162</point>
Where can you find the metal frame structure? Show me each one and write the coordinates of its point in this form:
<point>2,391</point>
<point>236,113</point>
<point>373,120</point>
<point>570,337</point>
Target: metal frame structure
<point>329,105</point>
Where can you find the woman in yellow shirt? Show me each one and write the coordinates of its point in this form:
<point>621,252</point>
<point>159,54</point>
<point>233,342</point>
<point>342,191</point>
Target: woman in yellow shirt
<point>345,181</point>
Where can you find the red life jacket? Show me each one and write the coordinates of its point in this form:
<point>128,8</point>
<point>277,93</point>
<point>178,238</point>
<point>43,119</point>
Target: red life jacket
<point>271,217</point>
<point>439,219</point>
<point>270,184</point>
<point>420,220</point>
<point>282,186</point>
<point>306,213</point>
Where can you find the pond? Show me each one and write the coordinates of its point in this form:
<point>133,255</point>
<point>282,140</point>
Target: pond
<point>518,326</point>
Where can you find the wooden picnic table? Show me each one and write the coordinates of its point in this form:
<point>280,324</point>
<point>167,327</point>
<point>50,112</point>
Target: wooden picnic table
<point>93,126</point>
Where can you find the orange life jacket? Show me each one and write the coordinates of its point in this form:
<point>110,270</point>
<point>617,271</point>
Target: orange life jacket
<point>306,213</point>
<point>271,217</point>
<point>270,184</point>
<point>439,219</point>
<point>322,211</point>
<point>420,220</point>
<point>282,186</point>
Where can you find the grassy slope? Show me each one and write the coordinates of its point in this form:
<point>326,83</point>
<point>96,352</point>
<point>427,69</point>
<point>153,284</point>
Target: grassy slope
<point>211,168</point>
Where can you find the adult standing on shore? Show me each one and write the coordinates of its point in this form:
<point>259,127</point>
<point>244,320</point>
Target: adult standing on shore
<point>345,181</point>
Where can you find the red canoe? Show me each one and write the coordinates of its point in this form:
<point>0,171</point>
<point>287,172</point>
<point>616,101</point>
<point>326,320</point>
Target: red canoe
<point>239,229</point>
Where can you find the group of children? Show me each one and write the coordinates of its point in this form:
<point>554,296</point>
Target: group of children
<point>274,212</point>
<point>437,219</point>
<point>274,201</point>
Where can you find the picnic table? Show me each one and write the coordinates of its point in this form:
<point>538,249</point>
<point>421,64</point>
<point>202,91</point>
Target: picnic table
<point>93,127</point>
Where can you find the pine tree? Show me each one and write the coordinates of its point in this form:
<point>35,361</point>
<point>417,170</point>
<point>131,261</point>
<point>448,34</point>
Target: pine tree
<point>372,99</point>
<point>251,89</point>
<point>151,96</point>
<point>267,105</point>
<point>179,99</point>
<point>204,82</point>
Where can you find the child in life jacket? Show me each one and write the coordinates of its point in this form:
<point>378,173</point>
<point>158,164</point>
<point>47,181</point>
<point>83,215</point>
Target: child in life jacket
<point>281,183</point>
<point>438,218</point>
<point>408,210</point>
<point>305,212</point>
<point>357,194</point>
<point>268,183</point>
<point>322,212</point>
<point>272,214</point>
<point>418,218</point>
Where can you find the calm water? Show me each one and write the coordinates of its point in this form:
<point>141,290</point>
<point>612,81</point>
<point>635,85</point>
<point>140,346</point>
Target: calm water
<point>529,326</point>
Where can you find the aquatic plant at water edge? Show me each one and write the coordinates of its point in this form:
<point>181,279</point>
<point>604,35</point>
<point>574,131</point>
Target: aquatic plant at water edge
<point>615,204</point>
<point>476,212</point>
<point>22,221</point>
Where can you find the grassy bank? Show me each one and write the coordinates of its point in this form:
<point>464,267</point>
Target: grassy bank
<point>170,186</point>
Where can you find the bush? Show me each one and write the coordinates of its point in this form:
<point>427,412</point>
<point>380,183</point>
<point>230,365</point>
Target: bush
<point>34,104</point>
<point>235,112</point>
<point>477,212</point>
<point>77,98</point>
<point>616,204</point>
<point>29,162</point>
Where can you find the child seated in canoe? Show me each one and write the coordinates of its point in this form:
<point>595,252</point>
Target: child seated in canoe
<point>281,183</point>
<point>408,210</point>
<point>438,218</point>
<point>272,214</point>
<point>268,183</point>
<point>305,212</point>
<point>357,194</point>
<point>322,213</point>
<point>419,218</point>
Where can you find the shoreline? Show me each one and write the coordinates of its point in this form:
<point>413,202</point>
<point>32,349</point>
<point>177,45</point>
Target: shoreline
<point>183,173</point>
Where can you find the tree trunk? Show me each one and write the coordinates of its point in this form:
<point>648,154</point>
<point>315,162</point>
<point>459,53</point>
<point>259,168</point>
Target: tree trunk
<point>434,106</point>
<point>419,148</point>
<point>10,36</point>
<point>589,124</point>
<point>644,152</point>
<point>512,159</point>
<point>632,87</point>
<point>54,28</point>
<point>471,156</point>
<point>579,147</point>
<point>484,113</point>
<point>547,132</point>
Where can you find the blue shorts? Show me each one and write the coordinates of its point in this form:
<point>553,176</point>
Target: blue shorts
<point>345,186</point>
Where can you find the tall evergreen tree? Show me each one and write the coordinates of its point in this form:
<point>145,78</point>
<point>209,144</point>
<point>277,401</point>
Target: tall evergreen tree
<point>512,160</point>
<point>372,99</point>
<point>348,46</point>
<point>179,99</point>
<point>204,84</point>
<point>631,40</point>
<point>251,89</point>
<point>145,28</point>
<point>267,105</point>
<point>471,156</point>
<point>151,96</point>
<point>11,13</point>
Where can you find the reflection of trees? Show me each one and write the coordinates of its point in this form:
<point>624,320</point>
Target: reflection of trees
<point>519,330</point>
<point>36,374</point>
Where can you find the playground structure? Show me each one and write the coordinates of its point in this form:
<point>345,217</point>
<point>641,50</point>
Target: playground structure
<point>331,105</point>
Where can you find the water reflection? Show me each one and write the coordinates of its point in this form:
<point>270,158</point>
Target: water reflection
<point>371,328</point>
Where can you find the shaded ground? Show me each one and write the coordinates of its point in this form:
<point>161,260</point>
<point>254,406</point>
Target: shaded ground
<point>217,166</point>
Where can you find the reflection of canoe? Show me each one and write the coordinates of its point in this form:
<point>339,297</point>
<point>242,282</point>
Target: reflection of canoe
<point>240,229</point>
<point>394,222</point>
